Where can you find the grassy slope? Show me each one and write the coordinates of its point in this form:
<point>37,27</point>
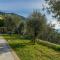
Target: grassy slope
<point>26,51</point>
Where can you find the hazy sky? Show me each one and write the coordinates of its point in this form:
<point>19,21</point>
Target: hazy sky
<point>23,7</point>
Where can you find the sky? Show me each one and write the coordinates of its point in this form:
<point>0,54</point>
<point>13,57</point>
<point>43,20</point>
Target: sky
<point>25,8</point>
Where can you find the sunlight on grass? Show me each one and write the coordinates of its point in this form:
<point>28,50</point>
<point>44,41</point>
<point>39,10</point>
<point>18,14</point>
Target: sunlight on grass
<point>26,51</point>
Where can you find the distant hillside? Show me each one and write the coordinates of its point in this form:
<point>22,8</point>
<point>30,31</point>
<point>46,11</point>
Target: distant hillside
<point>12,15</point>
<point>15,17</point>
<point>12,20</point>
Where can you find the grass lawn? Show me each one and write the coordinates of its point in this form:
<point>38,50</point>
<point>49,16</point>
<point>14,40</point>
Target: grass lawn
<point>26,51</point>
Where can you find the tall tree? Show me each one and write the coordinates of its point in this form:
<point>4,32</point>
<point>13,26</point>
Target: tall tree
<point>36,24</point>
<point>9,23</point>
<point>20,29</point>
<point>12,22</point>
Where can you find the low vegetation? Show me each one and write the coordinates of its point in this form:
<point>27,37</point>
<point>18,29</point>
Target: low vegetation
<point>50,45</point>
<point>24,32</point>
<point>27,51</point>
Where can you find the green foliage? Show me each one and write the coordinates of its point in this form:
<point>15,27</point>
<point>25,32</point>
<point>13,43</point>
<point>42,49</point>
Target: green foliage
<point>54,8</point>
<point>35,24</point>
<point>50,34</point>
<point>20,29</point>
<point>2,23</point>
<point>50,45</point>
<point>11,21</point>
<point>26,51</point>
<point>34,27</point>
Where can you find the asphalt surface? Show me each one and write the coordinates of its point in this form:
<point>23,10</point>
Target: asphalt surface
<point>5,50</point>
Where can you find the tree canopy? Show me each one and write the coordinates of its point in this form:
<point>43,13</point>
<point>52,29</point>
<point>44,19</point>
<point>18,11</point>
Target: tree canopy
<point>54,7</point>
<point>36,24</point>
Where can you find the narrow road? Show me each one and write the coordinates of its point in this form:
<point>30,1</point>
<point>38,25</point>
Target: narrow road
<point>5,51</point>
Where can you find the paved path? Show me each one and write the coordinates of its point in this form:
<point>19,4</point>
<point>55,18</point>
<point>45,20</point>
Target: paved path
<point>5,51</point>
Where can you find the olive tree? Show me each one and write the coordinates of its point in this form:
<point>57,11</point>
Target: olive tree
<point>36,24</point>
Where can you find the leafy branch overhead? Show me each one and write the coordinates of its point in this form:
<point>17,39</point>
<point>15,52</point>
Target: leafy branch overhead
<point>54,7</point>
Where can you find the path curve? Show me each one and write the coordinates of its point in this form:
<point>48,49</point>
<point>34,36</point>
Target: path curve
<point>6,53</point>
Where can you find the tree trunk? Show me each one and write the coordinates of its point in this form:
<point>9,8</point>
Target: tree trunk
<point>33,40</point>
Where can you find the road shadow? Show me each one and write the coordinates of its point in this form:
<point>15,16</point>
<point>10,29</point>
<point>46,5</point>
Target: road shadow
<point>4,48</point>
